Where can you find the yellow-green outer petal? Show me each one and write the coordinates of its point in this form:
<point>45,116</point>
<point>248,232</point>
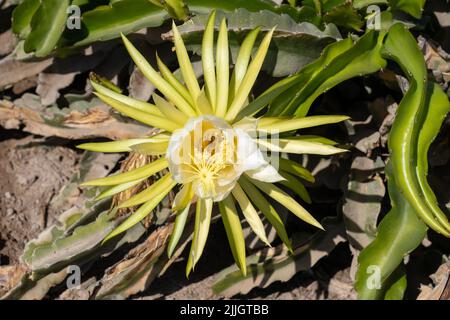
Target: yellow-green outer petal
<point>201,230</point>
<point>296,169</point>
<point>265,121</point>
<point>313,138</point>
<point>135,174</point>
<point>158,81</point>
<point>251,216</point>
<point>300,123</point>
<point>151,148</point>
<point>300,147</point>
<point>204,104</point>
<point>223,70</point>
<point>113,146</point>
<point>208,60</point>
<point>140,214</point>
<point>150,192</point>
<point>292,183</point>
<point>284,199</point>
<point>243,59</point>
<point>117,189</point>
<point>267,209</point>
<point>234,232</point>
<point>131,102</point>
<point>250,78</point>
<point>178,228</point>
<point>183,198</point>
<point>185,64</point>
<point>173,81</point>
<point>169,110</point>
<point>143,117</point>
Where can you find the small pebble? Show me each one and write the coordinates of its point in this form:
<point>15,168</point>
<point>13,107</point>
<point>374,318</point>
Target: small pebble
<point>9,211</point>
<point>22,180</point>
<point>7,195</point>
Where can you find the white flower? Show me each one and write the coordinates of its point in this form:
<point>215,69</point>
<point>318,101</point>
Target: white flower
<point>212,155</point>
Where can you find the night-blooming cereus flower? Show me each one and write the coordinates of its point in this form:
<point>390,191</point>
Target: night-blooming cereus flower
<point>212,155</point>
<point>215,149</point>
